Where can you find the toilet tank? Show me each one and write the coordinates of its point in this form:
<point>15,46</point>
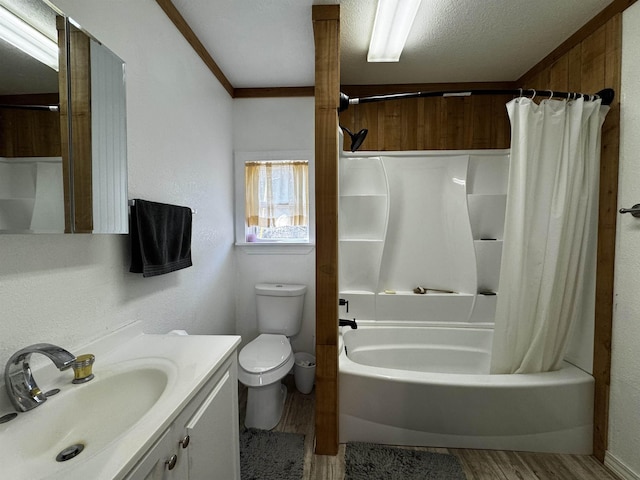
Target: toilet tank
<point>279,307</point>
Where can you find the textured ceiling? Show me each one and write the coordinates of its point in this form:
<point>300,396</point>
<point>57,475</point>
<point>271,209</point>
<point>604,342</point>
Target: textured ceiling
<point>256,43</point>
<point>269,43</point>
<point>463,40</point>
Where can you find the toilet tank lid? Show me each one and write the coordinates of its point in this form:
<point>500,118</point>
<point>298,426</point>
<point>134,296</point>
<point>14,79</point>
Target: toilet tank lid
<point>280,289</point>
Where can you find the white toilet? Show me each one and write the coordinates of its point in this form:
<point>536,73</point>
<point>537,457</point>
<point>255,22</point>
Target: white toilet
<point>263,362</point>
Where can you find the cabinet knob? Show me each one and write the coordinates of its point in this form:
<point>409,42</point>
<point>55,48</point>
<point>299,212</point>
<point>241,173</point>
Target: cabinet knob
<point>185,441</point>
<point>171,463</point>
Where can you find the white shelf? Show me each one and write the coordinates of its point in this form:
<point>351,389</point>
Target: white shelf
<point>410,293</point>
<point>351,195</point>
<point>488,258</point>
<point>439,307</point>
<point>360,264</point>
<point>486,214</point>
<point>362,225</point>
<point>362,240</point>
<point>484,309</point>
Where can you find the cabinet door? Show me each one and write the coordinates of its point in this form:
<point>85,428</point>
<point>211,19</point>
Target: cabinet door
<point>214,451</point>
<point>155,465</point>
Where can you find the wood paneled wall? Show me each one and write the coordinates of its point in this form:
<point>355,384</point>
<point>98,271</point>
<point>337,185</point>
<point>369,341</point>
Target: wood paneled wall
<point>589,66</point>
<point>451,123</point>
<point>29,133</point>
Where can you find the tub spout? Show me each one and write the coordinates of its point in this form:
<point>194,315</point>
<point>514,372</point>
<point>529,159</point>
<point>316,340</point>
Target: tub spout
<point>343,323</point>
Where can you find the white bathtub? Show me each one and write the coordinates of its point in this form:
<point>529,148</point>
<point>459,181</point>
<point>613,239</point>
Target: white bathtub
<point>430,386</point>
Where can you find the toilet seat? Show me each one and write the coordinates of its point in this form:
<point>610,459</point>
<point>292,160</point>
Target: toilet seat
<point>265,360</point>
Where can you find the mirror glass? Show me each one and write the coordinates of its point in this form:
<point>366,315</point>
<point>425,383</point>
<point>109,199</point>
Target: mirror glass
<point>62,126</point>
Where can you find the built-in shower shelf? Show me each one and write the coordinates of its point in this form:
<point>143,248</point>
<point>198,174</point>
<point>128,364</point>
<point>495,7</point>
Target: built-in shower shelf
<point>362,240</point>
<point>424,295</point>
<point>362,224</point>
<point>488,258</point>
<point>487,201</point>
<point>350,195</point>
<point>484,309</point>
<point>434,307</point>
<point>487,196</point>
<point>486,214</point>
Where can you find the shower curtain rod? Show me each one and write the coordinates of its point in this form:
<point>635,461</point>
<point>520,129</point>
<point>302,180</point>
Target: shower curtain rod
<point>52,108</point>
<point>606,95</point>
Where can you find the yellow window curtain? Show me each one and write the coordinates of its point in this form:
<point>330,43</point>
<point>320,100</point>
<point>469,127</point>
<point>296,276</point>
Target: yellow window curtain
<point>277,193</point>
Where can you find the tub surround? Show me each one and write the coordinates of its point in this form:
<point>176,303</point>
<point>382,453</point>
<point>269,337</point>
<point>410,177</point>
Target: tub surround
<point>431,219</point>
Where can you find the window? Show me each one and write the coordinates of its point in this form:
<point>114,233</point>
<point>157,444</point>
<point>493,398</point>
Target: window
<point>275,198</point>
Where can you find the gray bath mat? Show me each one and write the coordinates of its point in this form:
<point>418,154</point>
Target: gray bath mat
<point>268,455</point>
<point>368,461</point>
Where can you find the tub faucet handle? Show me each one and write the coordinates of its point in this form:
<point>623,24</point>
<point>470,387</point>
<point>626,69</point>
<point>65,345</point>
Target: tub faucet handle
<point>342,302</point>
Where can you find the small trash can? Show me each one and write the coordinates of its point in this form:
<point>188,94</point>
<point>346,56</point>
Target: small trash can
<point>304,371</point>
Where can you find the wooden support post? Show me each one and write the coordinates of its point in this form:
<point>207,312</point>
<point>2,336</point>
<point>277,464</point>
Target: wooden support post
<point>326,29</point>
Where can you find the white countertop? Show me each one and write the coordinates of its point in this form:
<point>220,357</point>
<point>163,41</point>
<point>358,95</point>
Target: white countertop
<point>189,360</point>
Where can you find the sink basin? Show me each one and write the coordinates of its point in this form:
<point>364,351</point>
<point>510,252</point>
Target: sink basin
<point>91,415</point>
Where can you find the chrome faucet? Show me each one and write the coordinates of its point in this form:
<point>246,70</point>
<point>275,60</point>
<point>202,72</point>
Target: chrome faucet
<point>21,386</point>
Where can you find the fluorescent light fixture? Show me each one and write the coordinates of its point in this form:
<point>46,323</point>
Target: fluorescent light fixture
<point>21,35</point>
<point>391,28</point>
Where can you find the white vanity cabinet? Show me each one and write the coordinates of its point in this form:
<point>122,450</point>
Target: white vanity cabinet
<point>203,441</point>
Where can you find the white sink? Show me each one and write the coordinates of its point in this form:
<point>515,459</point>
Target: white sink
<point>142,382</point>
<point>85,417</point>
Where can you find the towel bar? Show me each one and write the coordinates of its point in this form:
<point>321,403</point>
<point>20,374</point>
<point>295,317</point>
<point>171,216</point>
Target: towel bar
<point>133,202</point>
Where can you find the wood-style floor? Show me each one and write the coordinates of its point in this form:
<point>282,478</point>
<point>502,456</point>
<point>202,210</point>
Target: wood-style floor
<point>298,417</point>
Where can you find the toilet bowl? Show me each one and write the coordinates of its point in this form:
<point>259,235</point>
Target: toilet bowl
<point>264,361</point>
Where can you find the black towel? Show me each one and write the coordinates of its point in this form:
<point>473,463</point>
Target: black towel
<point>160,238</point>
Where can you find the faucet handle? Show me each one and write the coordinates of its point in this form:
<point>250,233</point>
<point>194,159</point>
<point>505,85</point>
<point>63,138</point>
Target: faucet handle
<point>342,302</point>
<point>82,368</point>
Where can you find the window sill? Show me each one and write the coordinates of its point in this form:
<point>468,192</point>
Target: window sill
<point>281,248</point>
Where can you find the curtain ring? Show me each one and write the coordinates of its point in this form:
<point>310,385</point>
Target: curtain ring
<point>550,96</point>
<point>534,93</point>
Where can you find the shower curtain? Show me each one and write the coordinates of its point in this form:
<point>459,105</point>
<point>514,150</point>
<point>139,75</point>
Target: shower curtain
<point>550,230</point>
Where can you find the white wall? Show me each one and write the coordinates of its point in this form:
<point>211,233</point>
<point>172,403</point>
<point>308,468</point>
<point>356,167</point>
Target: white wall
<point>70,289</point>
<point>624,413</point>
<point>262,125</point>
